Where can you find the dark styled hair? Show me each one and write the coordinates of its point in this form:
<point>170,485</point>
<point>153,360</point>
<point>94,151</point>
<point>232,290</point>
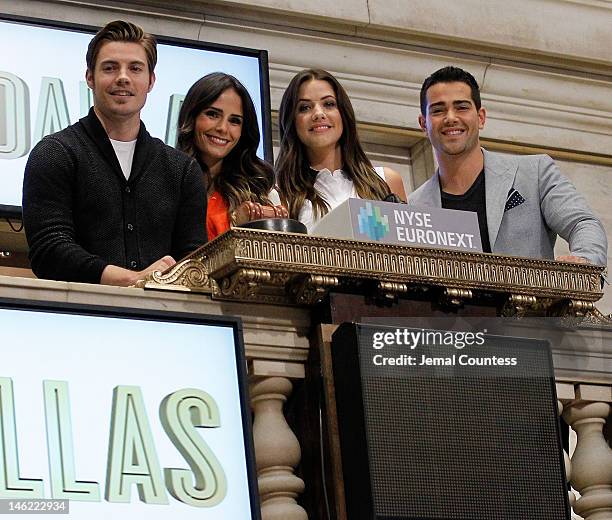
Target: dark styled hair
<point>450,74</point>
<point>244,176</point>
<point>295,179</point>
<point>122,31</point>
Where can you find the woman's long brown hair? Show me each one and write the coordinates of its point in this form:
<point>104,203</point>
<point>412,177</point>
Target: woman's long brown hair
<point>244,176</point>
<point>295,178</point>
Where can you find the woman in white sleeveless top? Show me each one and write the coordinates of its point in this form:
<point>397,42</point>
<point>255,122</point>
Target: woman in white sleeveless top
<point>321,162</point>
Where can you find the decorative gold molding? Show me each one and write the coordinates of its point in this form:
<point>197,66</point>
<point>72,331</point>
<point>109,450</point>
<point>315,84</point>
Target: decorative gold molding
<point>456,297</point>
<point>190,274</point>
<point>580,308</point>
<point>390,291</point>
<point>300,269</point>
<point>518,305</point>
<point>244,283</point>
<point>596,317</point>
<point>314,288</point>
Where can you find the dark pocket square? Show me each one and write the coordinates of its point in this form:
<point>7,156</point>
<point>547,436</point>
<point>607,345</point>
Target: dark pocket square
<point>514,199</point>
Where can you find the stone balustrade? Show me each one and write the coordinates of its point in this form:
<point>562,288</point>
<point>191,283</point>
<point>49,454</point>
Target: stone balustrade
<point>277,451</point>
<point>587,409</point>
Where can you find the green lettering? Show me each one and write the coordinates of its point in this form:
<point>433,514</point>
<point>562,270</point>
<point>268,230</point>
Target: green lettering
<point>180,412</point>
<point>52,108</point>
<point>61,448</point>
<point>11,484</point>
<point>174,107</point>
<point>132,458</point>
<point>15,125</point>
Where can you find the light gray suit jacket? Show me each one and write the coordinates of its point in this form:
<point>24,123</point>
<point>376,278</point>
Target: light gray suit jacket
<point>551,207</point>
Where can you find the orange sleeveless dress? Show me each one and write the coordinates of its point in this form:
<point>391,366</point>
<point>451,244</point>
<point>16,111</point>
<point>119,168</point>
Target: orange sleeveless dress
<point>217,215</point>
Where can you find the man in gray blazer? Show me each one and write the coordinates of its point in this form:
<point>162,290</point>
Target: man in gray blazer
<point>523,202</point>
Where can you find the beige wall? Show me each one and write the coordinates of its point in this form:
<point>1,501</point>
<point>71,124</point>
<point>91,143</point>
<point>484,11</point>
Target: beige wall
<point>545,66</point>
<point>539,29</point>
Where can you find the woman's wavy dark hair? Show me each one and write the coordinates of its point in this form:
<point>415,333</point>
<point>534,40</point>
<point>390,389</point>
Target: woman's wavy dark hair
<point>244,176</point>
<point>295,179</point>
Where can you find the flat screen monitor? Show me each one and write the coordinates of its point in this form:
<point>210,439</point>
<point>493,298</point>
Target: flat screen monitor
<point>43,89</point>
<point>123,414</point>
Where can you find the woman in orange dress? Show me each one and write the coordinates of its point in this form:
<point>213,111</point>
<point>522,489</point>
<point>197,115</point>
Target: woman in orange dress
<point>217,126</point>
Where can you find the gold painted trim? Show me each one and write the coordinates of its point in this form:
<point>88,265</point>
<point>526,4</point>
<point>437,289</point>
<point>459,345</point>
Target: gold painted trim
<point>292,268</point>
<point>190,274</point>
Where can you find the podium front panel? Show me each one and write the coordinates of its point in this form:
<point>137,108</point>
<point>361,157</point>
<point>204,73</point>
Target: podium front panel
<point>454,434</point>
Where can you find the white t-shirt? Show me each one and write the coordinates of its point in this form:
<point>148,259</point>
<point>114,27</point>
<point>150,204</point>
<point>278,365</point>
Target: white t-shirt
<point>335,188</point>
<point>124,150</point>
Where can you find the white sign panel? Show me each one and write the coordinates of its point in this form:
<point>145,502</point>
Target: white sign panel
<point>126,418</point>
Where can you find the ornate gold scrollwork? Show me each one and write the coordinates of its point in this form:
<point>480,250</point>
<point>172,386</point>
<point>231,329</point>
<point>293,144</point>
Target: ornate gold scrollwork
<point>314,288</point>
<point>389,291</point>
<point>572,309</point>
<point>273,291</point>
<point>360,266</point>
<point>518,304</point>
<point>455,297</point>
<point>580,308</point>
<point>280,279</point>
<point>596,317</point>
<point>187,275</point>
<point>244,283</point>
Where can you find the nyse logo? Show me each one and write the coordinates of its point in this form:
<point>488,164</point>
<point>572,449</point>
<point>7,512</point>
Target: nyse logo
<point>372,223</point>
